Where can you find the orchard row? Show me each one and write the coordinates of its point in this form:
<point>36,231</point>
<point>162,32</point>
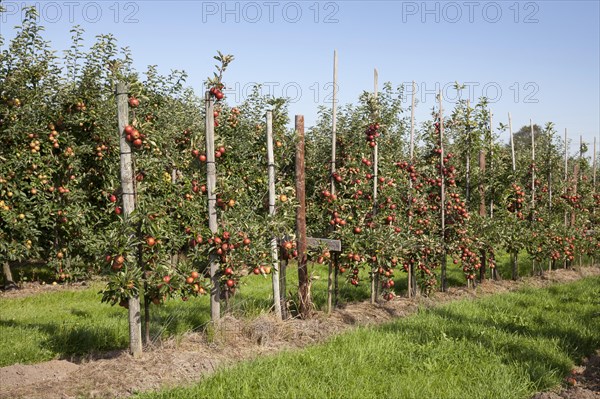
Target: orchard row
<point>402,197</point>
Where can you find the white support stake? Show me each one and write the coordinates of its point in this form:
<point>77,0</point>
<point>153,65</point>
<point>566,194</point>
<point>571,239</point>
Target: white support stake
<point>274,251</point>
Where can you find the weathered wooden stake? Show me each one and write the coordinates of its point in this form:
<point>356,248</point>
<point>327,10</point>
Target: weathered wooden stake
<point>575,184</point>
<point>412,282</point>
<point>332,275</point>
<point>512,144</point>
<point>566,179</point>
<point>412,124</point>
<point>128,188</point>
<point>374,273</point>
<point>175,254</point>
<point>468,156</point>
<point>482,210</point>
<point>211,183</point>
<point>282,288</point>
<point>492,168</point>
<point>515,254</point>
<point>594,185</point>
<point>549,179</point>
<point>303,278</point>
<point>274,250</point>
<point>442,195</point>
<point>336,290</point>
<point>493,270</point>
<point>533,166</point>
<point>594,167</point>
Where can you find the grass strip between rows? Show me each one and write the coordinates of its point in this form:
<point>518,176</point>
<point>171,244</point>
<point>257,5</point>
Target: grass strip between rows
<point>503,346</point>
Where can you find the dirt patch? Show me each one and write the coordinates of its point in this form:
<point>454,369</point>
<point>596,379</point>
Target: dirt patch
<point>187,359</point>
<point>34,288</point>
<point>583,383</point>
<point>54,370</point>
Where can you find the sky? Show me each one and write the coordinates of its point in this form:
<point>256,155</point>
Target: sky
<point>538,60</point>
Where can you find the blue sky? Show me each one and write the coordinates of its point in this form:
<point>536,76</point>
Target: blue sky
<point>535,59</point>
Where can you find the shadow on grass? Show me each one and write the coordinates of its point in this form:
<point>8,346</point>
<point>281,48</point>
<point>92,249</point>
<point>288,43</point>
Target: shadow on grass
<point>71,339</point>
<point>88,333</point>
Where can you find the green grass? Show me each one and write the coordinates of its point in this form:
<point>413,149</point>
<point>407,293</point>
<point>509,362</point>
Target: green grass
<point>503,346</point>
<point>74,323</point>
<point>40,327</point>
<point>71,323</point>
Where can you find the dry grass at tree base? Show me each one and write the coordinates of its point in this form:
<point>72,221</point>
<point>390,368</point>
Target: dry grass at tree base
<point>188,359</point>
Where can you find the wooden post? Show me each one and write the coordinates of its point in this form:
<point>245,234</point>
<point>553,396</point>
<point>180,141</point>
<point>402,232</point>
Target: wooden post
<point>334,121</point>
<point>468,156</point>
<point>566,262</point>
<point>128,188</point>
<point>211,183</point>
<point>549,182</point>
<point>374,273</point>
<point>282,288</point>
<point>482,210</point>
<point>514,254</point>
<point>594,185</point>
<point>566,173</point>
<point>412,124</point>
<point>332,275</point>
<point>336,290</point>
<point>512,144</point>
<point>576,177</point>
<point>594,168</point>
<point>274,250</point>
<point>303,278</point>
<point>494,270</point>
<point>532,165</point>
<point>492,168</point>
<point>442,195</point>
<point>175,253</point>
<point>412,282</point>
<point>575,181</point>
<point>574,192</point>
<point>532,184</point>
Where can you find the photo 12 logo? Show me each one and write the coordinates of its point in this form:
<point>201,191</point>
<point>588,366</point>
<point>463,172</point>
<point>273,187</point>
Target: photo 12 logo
<point>253,12</point>
<point>453,12</point>
<point>425,92</point>
<point>519,92</point>
<point>320,93</point>
<point>73,12</point>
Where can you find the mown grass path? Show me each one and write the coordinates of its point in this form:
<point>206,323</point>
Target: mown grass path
<point>502,346</point>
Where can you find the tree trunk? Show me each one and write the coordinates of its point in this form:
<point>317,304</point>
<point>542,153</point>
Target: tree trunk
<point>515,265</point>
<point>9,283</point>
<point>305,304</point>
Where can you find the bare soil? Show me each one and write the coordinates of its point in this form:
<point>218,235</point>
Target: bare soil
<point>33,288</point>
<point>185,360</point>
<point>583,383</point>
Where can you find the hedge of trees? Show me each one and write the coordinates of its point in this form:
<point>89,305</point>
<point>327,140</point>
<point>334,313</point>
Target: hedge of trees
<point>61,196</point>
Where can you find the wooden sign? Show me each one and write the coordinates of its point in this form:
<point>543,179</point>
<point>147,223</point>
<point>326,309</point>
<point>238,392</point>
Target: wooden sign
<point>333,245</point>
